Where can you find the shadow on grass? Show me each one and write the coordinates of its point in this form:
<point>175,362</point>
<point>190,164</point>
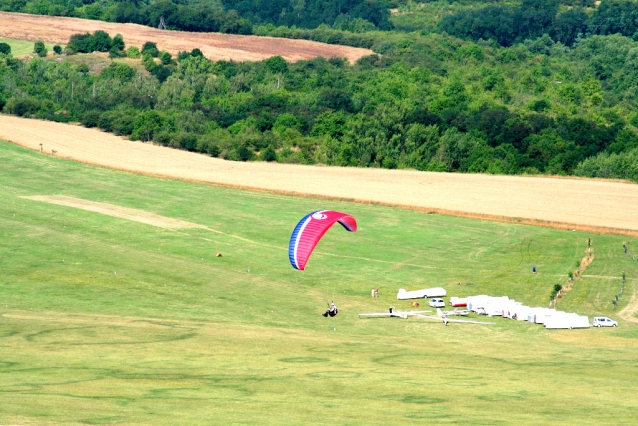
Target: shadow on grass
<point>335,375</point>
<point>305,359</point>
<point>80,336</point>
<point>421,399</point>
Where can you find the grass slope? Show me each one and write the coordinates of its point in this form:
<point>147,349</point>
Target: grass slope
<point>178,336</point>
<point>23,47</point>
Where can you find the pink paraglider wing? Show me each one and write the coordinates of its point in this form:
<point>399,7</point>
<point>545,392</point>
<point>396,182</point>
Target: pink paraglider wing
<point>309,231</point>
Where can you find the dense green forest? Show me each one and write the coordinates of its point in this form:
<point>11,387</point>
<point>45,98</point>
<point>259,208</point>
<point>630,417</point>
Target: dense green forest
<point>430,102</point>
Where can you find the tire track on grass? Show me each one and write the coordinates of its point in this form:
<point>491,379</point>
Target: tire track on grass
<point>628,313</point>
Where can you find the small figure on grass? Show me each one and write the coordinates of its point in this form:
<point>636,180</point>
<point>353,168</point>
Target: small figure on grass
<point>534,269</point>
<point>331,311</point>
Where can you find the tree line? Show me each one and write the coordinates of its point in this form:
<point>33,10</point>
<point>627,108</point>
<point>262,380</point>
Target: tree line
<point>508,24</point>
<point>312,13</point>
<point>178,15</point>
<point>225,16</point>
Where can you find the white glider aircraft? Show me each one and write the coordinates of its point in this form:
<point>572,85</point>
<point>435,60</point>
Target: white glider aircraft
<point>418,314</point>
<point>393,314</point>
<point>455,312</point>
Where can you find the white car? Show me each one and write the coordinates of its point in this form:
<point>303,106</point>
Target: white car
<point>604,322</point>
<point>436,303</point>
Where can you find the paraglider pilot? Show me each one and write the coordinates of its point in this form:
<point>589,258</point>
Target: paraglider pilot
<point>332,311</point>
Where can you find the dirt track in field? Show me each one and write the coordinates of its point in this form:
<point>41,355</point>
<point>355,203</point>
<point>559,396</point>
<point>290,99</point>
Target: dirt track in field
<point>115,211</point>
<point>215,46</point>
<point>584,204</point>
<point>628,313</point>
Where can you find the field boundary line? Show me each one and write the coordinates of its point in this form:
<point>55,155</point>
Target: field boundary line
<point>607,277</point>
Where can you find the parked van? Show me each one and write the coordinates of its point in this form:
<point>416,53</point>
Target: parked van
<point>604,322</point>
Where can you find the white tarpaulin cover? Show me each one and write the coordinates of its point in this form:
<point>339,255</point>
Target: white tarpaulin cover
<point>509,308</point>
<point>458,301</point>
<point>567,320</point>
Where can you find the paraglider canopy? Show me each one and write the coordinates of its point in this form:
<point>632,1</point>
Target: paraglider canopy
<point>309,231</point>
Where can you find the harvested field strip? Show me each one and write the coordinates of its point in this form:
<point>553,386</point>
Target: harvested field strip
<point>115,211</point>
<point>215,46</point>
<point>583,204</point>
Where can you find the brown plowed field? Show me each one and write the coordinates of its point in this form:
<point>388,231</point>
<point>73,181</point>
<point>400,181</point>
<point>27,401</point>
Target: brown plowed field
<point>590,205</point>
<point>215,46</point>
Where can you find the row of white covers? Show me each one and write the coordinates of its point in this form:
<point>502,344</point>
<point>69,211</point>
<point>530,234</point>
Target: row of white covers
<point>510,308</point>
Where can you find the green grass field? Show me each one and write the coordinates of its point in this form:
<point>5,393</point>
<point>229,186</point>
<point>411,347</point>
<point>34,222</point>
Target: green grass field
<point>109,321</point>
<point>23,47</point>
